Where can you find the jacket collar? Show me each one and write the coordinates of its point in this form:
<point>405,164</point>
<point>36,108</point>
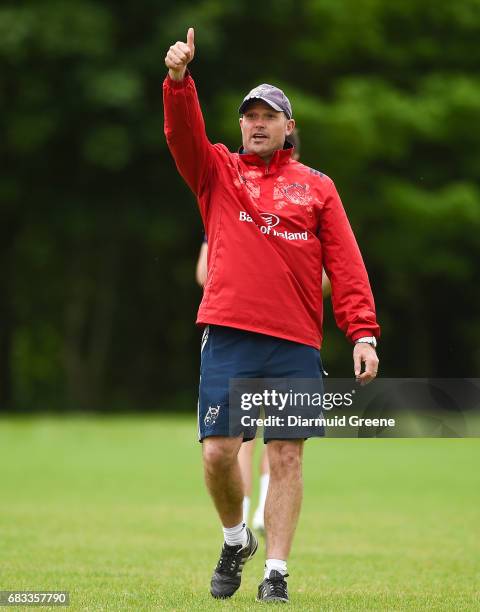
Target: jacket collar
<point>279,158</point>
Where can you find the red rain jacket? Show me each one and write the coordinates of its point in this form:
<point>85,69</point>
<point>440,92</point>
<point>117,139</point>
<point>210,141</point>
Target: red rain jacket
<point>271,228</point>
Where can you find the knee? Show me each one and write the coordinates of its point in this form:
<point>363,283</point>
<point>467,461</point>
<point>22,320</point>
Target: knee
<point>285,458</point>
<point>218,455</point>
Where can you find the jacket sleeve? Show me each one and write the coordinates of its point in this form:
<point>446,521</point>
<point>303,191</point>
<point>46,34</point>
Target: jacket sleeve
<point>185,132</point>
<point>352,298</point>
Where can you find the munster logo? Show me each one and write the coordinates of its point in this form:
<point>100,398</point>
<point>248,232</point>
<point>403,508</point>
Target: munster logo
<point>297,193</point>
<point>212,414</point>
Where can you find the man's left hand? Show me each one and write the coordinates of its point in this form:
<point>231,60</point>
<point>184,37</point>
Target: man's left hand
<point>365,353</point>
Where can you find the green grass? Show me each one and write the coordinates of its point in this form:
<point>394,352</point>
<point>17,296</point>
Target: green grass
<point>114,510</point>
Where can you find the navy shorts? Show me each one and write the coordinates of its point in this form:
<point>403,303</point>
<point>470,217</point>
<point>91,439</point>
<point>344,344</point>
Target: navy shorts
<point>228,353</point>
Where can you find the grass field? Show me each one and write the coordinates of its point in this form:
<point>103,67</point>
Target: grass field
<point>114,511</point>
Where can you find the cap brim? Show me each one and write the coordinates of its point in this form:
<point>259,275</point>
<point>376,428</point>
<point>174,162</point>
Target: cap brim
<point>248,101</point>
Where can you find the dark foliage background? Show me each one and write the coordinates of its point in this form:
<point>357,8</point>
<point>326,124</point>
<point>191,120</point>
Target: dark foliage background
<point>99,236</point>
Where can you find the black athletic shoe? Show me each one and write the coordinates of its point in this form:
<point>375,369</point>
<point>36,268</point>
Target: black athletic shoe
<point>228,573</point>
<point>273,588</point>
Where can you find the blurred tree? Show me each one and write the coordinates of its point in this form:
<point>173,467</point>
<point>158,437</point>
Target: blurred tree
<point>98,234</point>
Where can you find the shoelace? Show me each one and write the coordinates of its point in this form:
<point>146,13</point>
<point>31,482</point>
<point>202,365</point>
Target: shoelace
<point>229,559</point>
<point>277,586</point>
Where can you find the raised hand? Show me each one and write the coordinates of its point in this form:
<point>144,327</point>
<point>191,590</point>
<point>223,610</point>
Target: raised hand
<point>179,55</point>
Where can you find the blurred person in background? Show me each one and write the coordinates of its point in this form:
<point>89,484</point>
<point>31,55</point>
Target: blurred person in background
<point>262,304</point>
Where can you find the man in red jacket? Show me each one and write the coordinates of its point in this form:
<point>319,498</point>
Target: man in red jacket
<point>272,224</point>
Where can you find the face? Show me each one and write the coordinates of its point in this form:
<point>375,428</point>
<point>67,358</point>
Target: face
<point>264,129</point>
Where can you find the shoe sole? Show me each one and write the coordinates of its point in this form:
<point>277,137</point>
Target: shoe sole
<point>254,550</point>
<point>274,599</point>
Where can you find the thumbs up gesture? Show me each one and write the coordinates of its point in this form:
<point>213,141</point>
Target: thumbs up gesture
<point>179,55</point>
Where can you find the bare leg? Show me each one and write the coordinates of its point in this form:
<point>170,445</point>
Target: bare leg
<point>245,458</point>
<point>264,463</point>
<point>223,477</point>
<point>259,515</point>
<point>284,497</point>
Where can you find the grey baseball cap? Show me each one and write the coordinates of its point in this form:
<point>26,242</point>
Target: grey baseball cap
<point>270,94</point>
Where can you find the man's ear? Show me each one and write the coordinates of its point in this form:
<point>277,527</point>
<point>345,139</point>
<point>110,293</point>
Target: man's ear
<point>240,121</point>
<point>290,126</point>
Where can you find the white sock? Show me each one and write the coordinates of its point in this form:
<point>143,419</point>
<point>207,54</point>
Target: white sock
<point>264,480</point>
<point>235,535</point>
<point>275,564</point>
<point>246,509</point>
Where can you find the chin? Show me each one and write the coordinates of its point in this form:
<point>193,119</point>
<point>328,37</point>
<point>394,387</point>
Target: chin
<point>260,150</point>
<point>263,150</point>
